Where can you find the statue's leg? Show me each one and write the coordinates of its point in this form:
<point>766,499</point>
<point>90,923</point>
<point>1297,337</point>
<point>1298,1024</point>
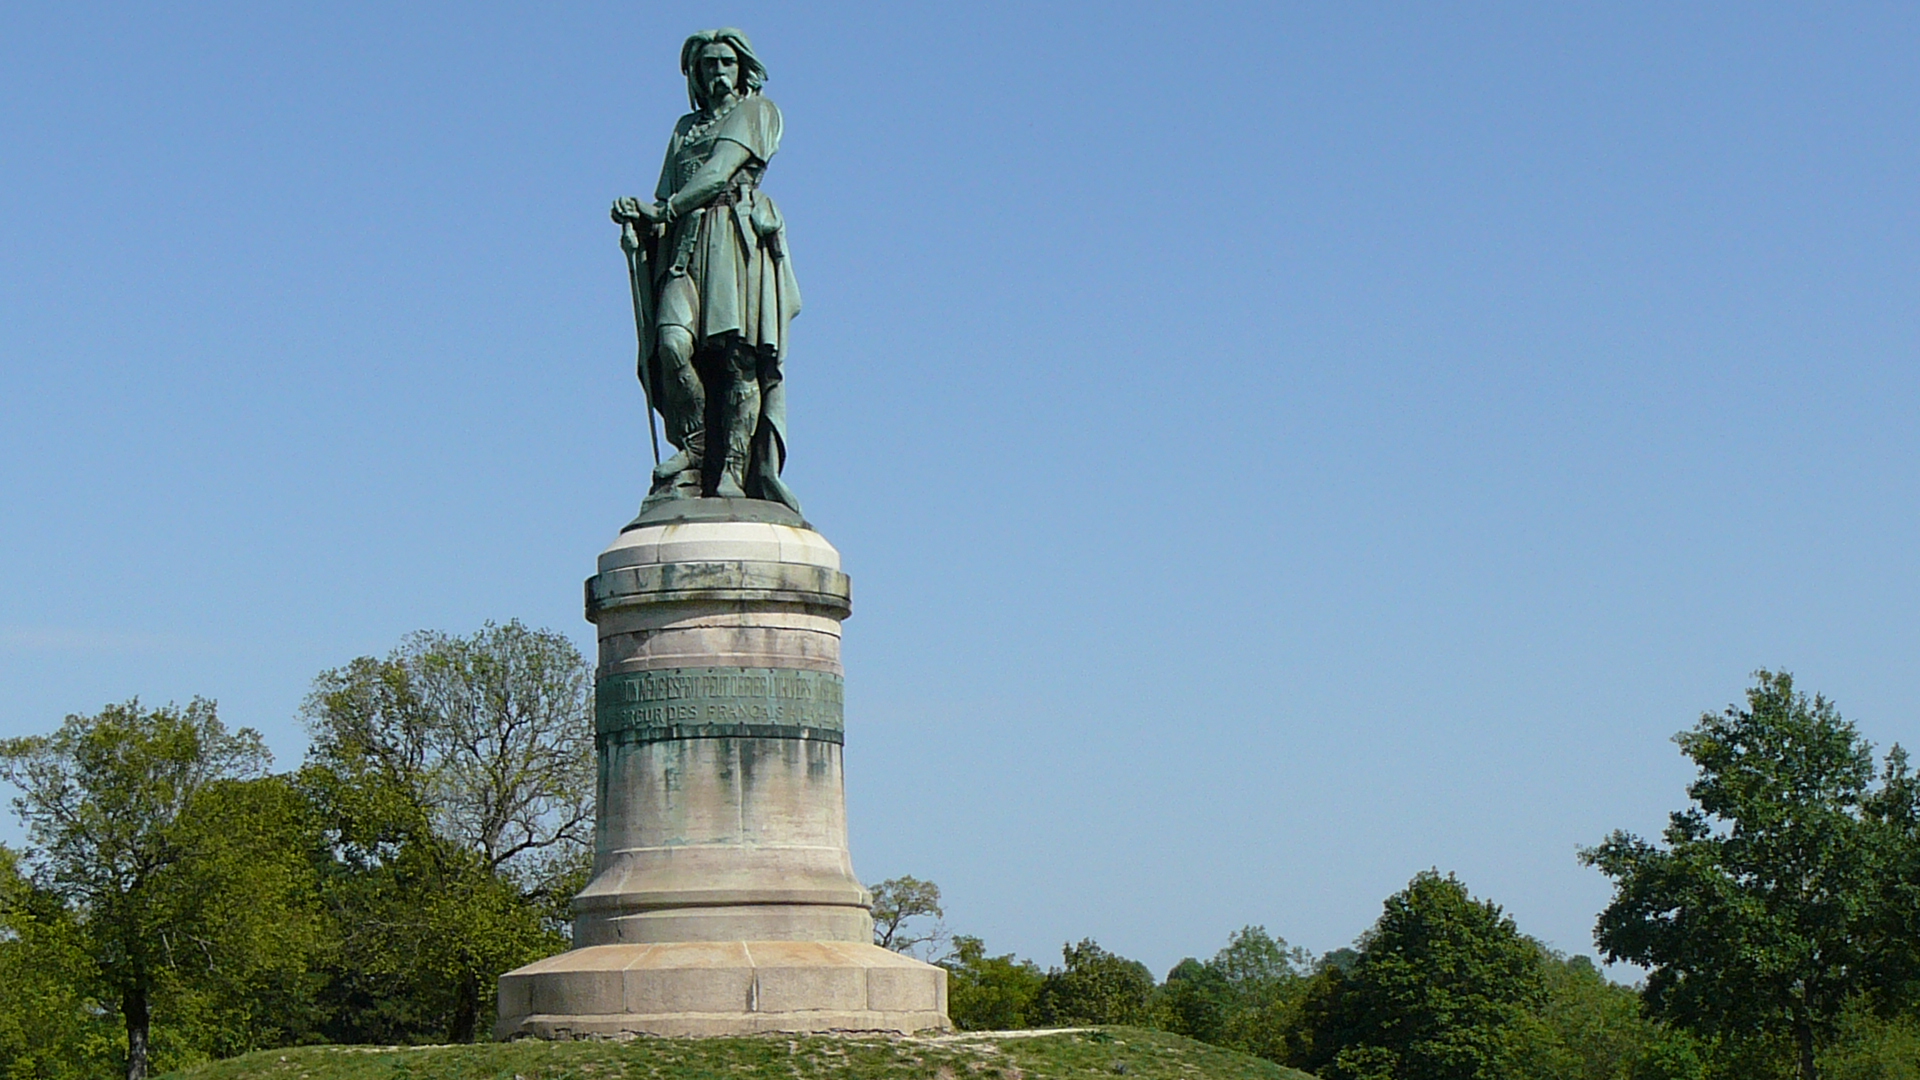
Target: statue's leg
<point>685,409</point>
<point>770,440</point>
<point>743,417</point>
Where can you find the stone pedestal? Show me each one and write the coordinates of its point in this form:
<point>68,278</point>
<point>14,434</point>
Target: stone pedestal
<point>723,900</point>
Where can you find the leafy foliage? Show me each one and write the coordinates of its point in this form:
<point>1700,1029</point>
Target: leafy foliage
<point>1871,1047</point>
<point>49,1027</point>
<point>454,780</point>
<point>989,993</point>
<point>1441,985</point>
<point>1247,997</point>
<point>896,901</point>
<point>1587,1028</point>
<point>1095,987</point>
<point>1893,927</point>
<point>182,867</point>
<point>422,936</point>
<point>1762,918</point>
<point>486,741</point>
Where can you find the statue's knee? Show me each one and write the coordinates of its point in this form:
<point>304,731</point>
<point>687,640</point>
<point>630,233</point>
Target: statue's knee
<point>676,345</point>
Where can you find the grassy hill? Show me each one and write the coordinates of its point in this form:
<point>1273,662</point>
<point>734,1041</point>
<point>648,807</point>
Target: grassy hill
<point>1082,1053</point>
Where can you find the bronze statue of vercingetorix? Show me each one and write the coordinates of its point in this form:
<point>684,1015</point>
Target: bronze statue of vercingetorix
<point>713,289</point>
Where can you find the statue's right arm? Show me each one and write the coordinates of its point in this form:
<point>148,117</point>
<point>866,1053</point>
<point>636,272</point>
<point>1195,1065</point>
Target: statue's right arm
<point>713,177</point>
<point>630,210</point>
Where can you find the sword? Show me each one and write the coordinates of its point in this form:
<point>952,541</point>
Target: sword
<point>641,279</point>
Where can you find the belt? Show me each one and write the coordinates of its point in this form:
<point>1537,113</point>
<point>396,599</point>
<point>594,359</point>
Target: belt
<point>732,196</point>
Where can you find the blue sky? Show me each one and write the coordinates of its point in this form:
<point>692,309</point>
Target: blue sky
<point>1277,448</point>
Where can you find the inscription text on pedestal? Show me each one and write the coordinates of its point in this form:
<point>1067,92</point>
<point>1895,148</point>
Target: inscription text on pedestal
<point>719,702</point>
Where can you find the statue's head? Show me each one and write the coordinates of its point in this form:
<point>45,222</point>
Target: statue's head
<point>717,62</point>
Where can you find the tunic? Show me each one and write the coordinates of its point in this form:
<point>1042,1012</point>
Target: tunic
<point>723,267</point>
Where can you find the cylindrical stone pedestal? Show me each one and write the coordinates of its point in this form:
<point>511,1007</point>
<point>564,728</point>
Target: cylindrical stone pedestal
<point>723,900</point>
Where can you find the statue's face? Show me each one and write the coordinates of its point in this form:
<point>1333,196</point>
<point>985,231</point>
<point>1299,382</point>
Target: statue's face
<point>719,70</point>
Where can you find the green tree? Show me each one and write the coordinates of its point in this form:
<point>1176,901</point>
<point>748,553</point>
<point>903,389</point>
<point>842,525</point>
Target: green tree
<point>1341,959</point>
<point>1246,997</point>
<point>487,738</point>
<point>1893,826</point>
<point>1266,981</point>
<point>422,932</point>
<point>1441,985</point>
<point>1195,1001</point>
<point>253,845</point>
<point>1761,914</point>
<point>50,1029</point>
<point>455,781</point>
<point>1867,1046</point>
<point>896,901</point>
<point>989,993</point>
<point>156,828</point>
<point>1095,987</point>
<point>1588,1028</point>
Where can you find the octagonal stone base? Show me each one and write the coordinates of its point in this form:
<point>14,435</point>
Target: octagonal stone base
<point>721,988</point>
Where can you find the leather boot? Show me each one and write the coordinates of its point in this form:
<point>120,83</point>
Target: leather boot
<point>733,478</point>
<point>743,416</point>
<point>692,454</point>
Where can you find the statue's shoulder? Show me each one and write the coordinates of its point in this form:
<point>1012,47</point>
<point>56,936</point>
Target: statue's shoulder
<point>755,109</point>
<point>756,124</point>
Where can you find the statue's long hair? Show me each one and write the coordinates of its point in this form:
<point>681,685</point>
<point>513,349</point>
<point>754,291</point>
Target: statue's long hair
<point>753,74</point>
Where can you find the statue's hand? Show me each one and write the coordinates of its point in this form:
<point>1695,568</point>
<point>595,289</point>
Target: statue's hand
<point>625,210</point>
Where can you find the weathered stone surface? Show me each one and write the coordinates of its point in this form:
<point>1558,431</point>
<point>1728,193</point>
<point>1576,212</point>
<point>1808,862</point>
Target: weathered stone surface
<point>739,580</point>
<point>721,540</point>
<point>722,988</point>
<point>723,899</point>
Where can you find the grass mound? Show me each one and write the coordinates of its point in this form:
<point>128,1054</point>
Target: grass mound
<point>1082,1053</point>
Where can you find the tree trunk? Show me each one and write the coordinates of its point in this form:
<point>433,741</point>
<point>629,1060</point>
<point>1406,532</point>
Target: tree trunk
<point>1803,1037</point>
<point>133,1005</point>
<point>466,1014</point>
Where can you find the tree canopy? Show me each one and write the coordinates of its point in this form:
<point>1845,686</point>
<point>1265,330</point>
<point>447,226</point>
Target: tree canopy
<point>454,778</point>
<point>989,993</point>
<point>1246,997</point>
<point>486,741</point>
<point>1764,915</point>
<point>181,863</point>
<point>1442,983</point>
<point>1094,987</point>
<point>898,901</point>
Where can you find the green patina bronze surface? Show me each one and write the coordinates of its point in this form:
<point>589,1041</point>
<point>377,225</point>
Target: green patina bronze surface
<point>691,511</point>
<point>720,702</point>
<point>713,289</point>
